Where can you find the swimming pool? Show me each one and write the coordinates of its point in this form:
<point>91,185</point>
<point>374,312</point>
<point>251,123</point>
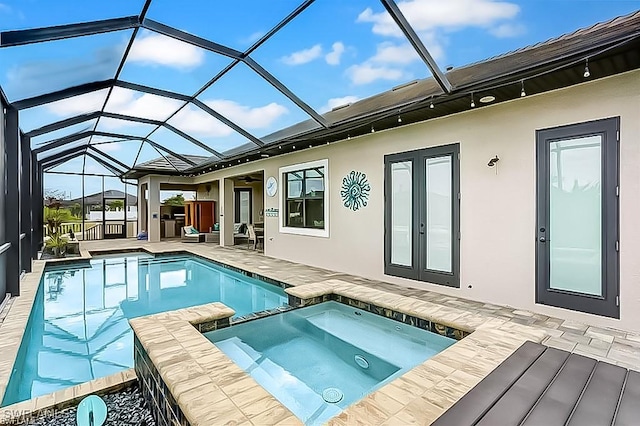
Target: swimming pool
<point>319,360</point>
<point>78,329</point>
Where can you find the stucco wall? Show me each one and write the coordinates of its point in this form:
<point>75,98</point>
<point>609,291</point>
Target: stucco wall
<point>497,209</point>
<point>3,274</point>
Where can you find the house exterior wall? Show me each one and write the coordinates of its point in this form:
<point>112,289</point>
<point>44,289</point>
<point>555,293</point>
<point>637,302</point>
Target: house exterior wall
<point>3,271</point>
<point>498,205</point>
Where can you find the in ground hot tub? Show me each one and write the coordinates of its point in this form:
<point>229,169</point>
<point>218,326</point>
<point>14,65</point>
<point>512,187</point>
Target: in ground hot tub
<point>319,360</point>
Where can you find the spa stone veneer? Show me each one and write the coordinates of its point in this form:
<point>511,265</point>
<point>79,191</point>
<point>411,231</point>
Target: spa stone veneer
<point>425,324</point>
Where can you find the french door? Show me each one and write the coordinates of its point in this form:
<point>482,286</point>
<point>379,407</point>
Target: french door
<point>422,215</point>
<point>577,217</point>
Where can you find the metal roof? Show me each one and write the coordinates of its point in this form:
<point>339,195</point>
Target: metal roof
<point>169,144</point>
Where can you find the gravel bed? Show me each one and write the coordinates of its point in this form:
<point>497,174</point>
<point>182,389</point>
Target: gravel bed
<point>125,408</point>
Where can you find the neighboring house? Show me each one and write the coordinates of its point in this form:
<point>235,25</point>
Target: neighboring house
<point>528,200</point>
<point>93,205</point>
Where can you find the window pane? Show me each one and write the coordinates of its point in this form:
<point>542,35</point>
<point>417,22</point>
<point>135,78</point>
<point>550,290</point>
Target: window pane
<point>314,213</point>
<point>294,186</point>
<point>314,187</point>
<point>575,234</point>
<point>317,172</point>
<point>439,214</point>
<point>245,213</point>
<point>401,213</point>
<point>294,214</point>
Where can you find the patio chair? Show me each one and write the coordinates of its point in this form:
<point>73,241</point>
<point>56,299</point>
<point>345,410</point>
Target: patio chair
<point>254,237</point>
<point>189,234</point>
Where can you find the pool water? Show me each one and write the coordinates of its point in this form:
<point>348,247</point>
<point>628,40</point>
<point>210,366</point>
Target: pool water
<point>78,329</point>
<point>319,360</point>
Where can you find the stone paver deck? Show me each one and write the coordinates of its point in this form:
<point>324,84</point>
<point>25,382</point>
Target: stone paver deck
<point>614,346</point>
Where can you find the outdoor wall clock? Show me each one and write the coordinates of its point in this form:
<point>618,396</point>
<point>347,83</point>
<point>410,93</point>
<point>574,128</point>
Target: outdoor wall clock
<point>355,190</point>
<point>272,186</point>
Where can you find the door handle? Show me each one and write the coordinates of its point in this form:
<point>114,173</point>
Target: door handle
<point>542,240</point>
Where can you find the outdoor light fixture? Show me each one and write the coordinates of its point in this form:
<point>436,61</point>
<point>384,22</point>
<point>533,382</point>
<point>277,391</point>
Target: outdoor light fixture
<point>348,137</point>
<point>372,129</point>
<point>399,119</point>
<point>522,92</point>
<point>586,68</point>
<point>294,147</point>
<point>279,146</point>
<point>473,104</point>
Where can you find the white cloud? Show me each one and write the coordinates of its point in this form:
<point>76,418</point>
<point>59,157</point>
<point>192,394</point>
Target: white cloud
<point>129,102</point>
<point>303,56</point>
<point>157,49</point>
<point>392,53</point>
<point>247,117</point>
<point>197,122</point>
<point>366,73</point>
<point>336,102</point>
<point>190,119</point>
<point>253,37</point>
<point>508,30</point>
<point>76,105</point>
<point>333,57</point>
<point>109,147</point>
<point>193,120</point>
<point>429,15</point>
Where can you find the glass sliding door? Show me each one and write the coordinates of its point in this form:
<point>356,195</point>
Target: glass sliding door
<point>438,217</point>
<point>577,222</point>
<point>401,213</point>
<point>422,215</point>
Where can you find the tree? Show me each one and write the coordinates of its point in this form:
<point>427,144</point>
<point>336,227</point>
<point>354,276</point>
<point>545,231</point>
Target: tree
<point>176,200</point>
<point>76,209</point>
<point>116,205</point>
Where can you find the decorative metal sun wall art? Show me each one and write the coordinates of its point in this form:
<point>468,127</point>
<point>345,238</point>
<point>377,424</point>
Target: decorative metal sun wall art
<point>355,190</point>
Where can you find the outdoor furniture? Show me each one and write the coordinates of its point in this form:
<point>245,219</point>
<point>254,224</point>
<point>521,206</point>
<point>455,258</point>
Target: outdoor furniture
<point>189,234</point>
<point>253,236</point>
<point>548,386</point>
<point>212,237</point>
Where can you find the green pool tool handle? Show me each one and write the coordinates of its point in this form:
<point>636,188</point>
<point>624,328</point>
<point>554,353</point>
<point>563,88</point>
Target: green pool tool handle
<point>92,411</point>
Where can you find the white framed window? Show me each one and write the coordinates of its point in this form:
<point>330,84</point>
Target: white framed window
<point>304,199</point>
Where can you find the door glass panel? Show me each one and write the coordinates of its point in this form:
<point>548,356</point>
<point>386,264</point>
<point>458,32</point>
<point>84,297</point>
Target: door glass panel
<point>244,206</point>
<point>401,213</point>
<point>575,219</point>
<point>439,214</point>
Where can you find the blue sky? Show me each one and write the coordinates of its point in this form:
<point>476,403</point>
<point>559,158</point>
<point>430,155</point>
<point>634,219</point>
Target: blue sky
<point>334,53</point>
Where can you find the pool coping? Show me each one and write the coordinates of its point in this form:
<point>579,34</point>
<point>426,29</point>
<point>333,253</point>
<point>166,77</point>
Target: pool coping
<point>421,394</point>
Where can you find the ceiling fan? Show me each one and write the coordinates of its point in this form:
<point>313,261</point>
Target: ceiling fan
<point>249,179</point>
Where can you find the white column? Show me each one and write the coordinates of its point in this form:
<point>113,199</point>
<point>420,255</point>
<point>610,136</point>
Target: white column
<point>226,212</point>
<point>142,207</point>
<point>153,215</point>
